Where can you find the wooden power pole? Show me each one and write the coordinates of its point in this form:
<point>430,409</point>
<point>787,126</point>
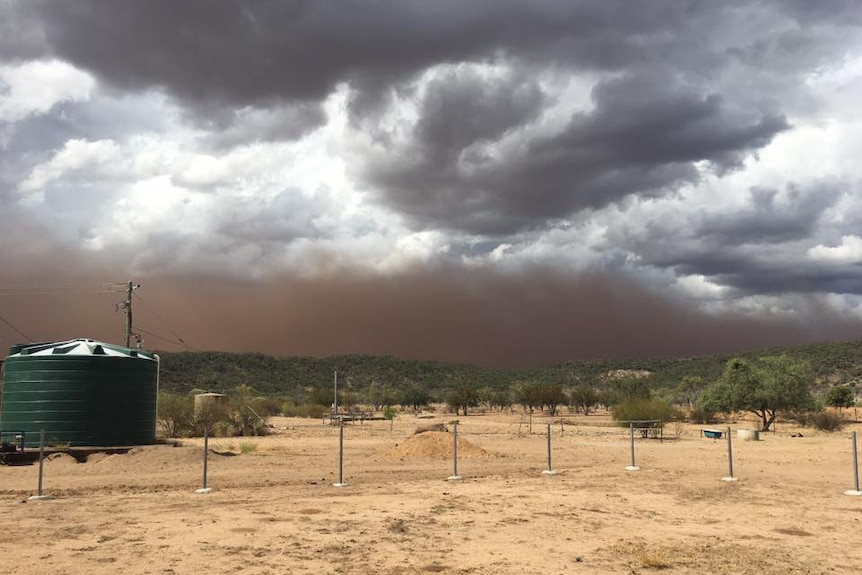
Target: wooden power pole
<point>127,307</point>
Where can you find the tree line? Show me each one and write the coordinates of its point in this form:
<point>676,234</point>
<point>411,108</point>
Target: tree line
<point>798,380</point>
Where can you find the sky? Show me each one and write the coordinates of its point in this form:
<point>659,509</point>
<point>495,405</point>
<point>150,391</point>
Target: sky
<point>496,182</point>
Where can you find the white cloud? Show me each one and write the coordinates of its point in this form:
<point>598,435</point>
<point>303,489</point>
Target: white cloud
<point>92,160</point>
<point>36,87</point>
<point>699,287</point>
<point>848,252</point>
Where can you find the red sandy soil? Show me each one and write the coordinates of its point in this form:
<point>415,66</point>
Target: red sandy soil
<point>274,509</point>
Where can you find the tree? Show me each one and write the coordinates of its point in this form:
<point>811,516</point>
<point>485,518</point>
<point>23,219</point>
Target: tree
<point>462,398</point>
<point>551,396</point>
<point>378,395</point>
<point>584,396</point>
<point>841,396</point>
<point>415,396</point>
<point>628,388</point>
<point>493,398</point>
<point>761,387</point>
<point>689,389</point>
<point>528,394</point>
<point>324,396</point>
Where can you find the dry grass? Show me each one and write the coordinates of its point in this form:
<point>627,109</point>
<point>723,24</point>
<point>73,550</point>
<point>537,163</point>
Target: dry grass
<point>654,560</point>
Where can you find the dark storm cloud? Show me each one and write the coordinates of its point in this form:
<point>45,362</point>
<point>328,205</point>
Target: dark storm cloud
<point>258,71</point>
<point>240,53</point>
<point>259,52</point>
<point>266,125</point>
<point>20,36</point>
<point>642,137</point>
<point>461,108</point>
<point>679,88</point>
<point>766,219</point>
<point>758,248</point>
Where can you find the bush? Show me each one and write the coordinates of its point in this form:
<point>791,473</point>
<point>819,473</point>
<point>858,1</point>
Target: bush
<point>637,409</point>
<point>176,415</point>
<point>827,421</point>
<point>701,415</point>
<point>803,418</point>
<point>310,410</point>
<point>654,410</point>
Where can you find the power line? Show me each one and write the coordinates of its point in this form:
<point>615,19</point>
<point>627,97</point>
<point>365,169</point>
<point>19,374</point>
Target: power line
<point>15,291</point>
<point>18,331</point>
<point>157,336</point>
<point>31,289</point>
<point>164,324</point>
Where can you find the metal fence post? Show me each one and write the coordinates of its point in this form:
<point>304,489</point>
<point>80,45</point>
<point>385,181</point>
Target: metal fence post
<point>730,476</point>
<point>205,489</point>
<point>454,476</point>
<point>633,466</point>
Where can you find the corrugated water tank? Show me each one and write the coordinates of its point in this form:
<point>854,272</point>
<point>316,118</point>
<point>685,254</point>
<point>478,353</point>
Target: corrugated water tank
<point>81,392</point>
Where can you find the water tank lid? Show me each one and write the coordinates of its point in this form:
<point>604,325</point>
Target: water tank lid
<point>87,347</point>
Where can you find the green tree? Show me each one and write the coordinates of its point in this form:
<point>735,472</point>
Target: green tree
<point>462,398</point>
<point>689,389</point>
<point>584,396</point>
<point>379,396</point>
<point>761,387</point>
<point>841,396</point>
<point>494,398</point>
<point>324,396</point>
<point>528,395</point>
<point>551,396</point>
<point>627,388</point>
<point>415,396</point>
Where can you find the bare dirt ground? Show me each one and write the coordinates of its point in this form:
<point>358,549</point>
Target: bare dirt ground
<point>274,509</point>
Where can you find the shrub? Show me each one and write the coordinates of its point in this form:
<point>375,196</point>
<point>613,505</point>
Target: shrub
<point>701,415</point>
<point>176,414</point>
<point>312,411</point>
<point>309,410</point>
<point>804,418</point>
<point>653,410</point>
<point>827,421</point>
<point>637,409</point>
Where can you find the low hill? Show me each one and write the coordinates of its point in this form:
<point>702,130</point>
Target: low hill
<point>833,363</point>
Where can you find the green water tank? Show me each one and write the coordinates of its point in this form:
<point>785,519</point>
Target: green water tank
<point>81,392</point>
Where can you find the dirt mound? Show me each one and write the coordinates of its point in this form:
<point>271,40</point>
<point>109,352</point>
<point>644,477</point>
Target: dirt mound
<point>432,427</point>
<point>60,460</point>
<point>437,444</point>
